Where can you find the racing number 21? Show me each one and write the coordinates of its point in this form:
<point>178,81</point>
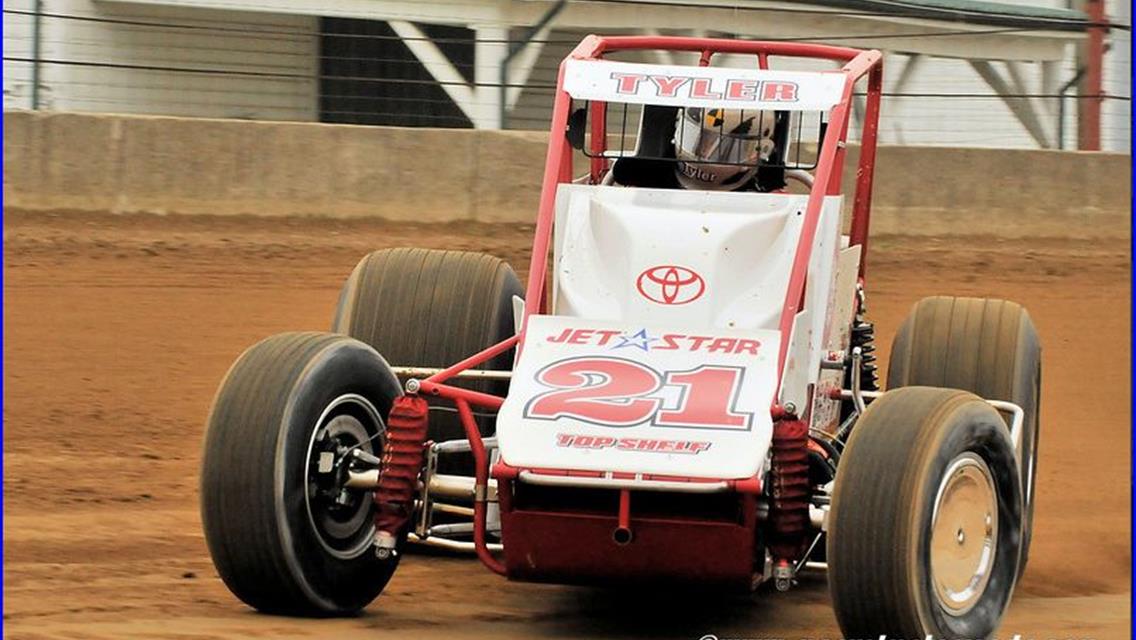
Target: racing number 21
<point>616,392</point>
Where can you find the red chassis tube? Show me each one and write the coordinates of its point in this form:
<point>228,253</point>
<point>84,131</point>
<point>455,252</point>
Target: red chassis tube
<point>558,170</point>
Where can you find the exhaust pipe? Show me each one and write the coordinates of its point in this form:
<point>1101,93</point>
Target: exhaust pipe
<point>623,535</point>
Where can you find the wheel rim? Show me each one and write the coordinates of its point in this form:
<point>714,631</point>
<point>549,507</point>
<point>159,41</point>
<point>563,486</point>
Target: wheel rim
<point>964,533</point>
<point>341,518</point>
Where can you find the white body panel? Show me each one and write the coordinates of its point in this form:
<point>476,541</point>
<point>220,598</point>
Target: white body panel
<point>826,408</point>
<point>732,254</point>
<point>802,363</point>
<point>667,303</point>
<point>697,404</point>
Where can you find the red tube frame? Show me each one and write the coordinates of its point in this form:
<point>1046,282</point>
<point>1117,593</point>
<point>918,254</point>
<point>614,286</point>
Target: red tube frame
<point>481,487</point>
<point>624,519</point>
<point>558,170</point>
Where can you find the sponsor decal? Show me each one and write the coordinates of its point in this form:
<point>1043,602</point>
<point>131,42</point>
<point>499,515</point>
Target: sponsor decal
<point>691,170</point>
<point>670,284</point>
<point>644,341</point>
<point>616,392</point>
<point>740,90</point>
<point>645,445</point>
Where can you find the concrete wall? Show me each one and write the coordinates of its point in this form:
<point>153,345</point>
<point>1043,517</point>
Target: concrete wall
<point>1010,193</point>
<point>55,161</point>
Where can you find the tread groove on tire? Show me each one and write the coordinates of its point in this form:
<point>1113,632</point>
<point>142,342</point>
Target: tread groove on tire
<point>432,308</point>
<point>263,408</point>
<point>878,575</point>
<point>1003,363</point>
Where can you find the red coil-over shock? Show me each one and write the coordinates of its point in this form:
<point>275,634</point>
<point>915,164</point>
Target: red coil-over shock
<point>398,475</point>
<point>789,512</point>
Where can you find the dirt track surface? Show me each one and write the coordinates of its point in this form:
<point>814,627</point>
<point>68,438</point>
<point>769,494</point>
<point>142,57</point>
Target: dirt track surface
<point>118,329</point>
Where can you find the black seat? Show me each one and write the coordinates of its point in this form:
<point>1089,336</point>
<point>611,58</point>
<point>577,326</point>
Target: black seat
<point>652,165</point>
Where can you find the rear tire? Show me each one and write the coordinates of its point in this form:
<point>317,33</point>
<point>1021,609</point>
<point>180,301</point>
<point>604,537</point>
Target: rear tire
<point>276,535</point>
<point>430,308</point>
<point>987,347</point>
<point>925,527</point>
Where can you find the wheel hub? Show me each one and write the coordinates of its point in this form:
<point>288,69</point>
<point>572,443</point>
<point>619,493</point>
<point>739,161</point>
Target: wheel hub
<point>964,533</point>
<point>341,517</point>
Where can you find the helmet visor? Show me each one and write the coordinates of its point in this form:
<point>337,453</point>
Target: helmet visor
<point>720,136</point>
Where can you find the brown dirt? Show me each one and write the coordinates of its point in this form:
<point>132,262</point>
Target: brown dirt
<point>117,330</point>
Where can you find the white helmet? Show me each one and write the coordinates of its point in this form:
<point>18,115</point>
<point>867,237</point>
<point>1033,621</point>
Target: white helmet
<point>720,149</point>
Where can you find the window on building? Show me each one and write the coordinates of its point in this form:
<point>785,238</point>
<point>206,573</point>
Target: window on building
<point>369,76</point>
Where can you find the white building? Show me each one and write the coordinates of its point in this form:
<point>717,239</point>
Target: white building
<point>439,63</point>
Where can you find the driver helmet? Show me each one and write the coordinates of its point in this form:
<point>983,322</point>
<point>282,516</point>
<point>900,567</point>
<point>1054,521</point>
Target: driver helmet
<point>720,149</point>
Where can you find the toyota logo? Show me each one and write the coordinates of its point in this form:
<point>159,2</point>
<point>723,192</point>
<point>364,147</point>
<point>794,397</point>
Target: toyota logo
<point>670,284</point>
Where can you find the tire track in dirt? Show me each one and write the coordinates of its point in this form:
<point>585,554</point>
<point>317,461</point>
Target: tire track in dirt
<point>118,329</point>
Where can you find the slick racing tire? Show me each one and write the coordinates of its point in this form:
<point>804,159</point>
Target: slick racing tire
<point>925,526</point>
<point>430,308</point>
<point>987,347</point>
<point>284,534</point>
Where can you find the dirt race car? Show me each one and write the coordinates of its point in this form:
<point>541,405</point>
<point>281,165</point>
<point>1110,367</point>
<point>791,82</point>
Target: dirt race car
<point>685,392</point>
